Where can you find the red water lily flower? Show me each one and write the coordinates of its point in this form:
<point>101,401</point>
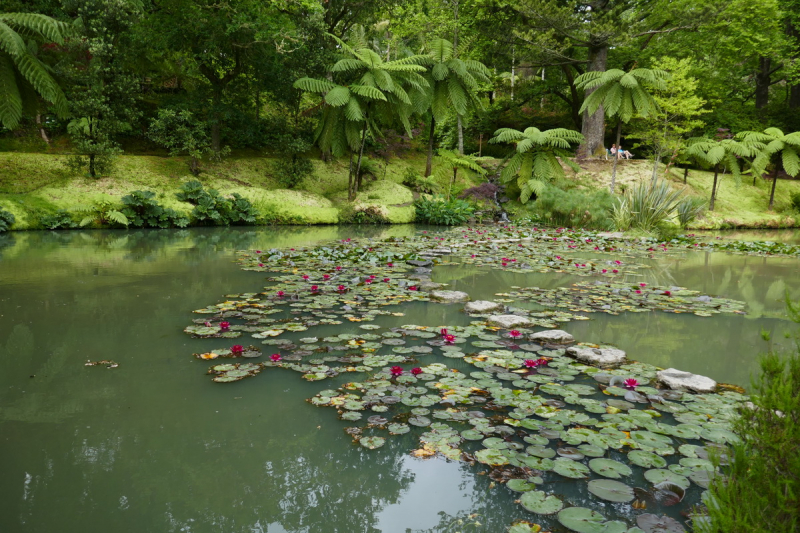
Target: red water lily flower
<point>615,271</point>
<point>314,288</point>
<point>530,363</point>
<point>515,333</point>
<point>280,294</point>
<point>341,288</point>
<point>412,288</point>
<point>258,251</point>
<point>666,293</point>
<point>338,268</point>
<point>275,357</point>
<point>638,291</point>
<point>237,349</point>
<point>643,284</point>
<point>396,371</point>
<point>542,361</point>
<point>604,271</point>
<point>504,263</point>
<point>386,280</point>
<point>416,371</point>
<point>450,339</point>
<point>631,383</point>
<point>305,276</point>
<point>261,264</point>
<point>443,332</point>
<point>617,262</point>
<point>326,277</point>
<point>224,326</point>
<point>390,265</point>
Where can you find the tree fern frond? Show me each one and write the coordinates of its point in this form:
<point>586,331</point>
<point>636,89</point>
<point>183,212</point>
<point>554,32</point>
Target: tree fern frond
<point>312,85</point>
<point>441,50</point>
<point>791,161</point>
<point>10,99</point>
<point>338,96</point>
<point>11,42</point>
<point>347,64</point>
<point>507,135</point>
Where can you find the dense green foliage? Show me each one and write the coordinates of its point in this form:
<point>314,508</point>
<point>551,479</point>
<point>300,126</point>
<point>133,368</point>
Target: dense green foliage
<point>573,208</point>
<point>6,220</point>
<point>143,211</point>
<point>211,208</point>
<point>441,211</point>
<point>764,474</point>
<point>646,206</point>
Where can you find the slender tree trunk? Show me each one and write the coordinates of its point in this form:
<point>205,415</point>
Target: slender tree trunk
<point>350,177</point>
<point>92,170</point>
<point>429,163</point>
<point>685,173</point>
<point>794,96</point>
<point>452,183</point>
<point>763,82</point>
<point>42,131</point>
<point>713,189</point>
<point>655,167</point>
<point>193,166</point>
<point>360,156</point>
<point>460,136</point>
<point>616,157</point>
<point>513,70</point>
<point>772,191</point>
<point>594,125</point>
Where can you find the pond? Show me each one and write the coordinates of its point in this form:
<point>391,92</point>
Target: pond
<point>154,444</point>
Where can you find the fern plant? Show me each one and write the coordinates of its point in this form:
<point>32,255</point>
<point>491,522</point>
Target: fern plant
<point>720,153</point>
<point>622,95</point>
<point>781,150</point>
<point>23,76</point>
<point>102,212</point>
<point>535,161</point>
<point>450,162</point>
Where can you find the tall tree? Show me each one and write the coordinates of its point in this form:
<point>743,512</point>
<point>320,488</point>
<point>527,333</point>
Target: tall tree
<point>780,150</point>
<point>621,94</point>
<point>453,87</point>
<point>537,157</point>
<point>24,78</point>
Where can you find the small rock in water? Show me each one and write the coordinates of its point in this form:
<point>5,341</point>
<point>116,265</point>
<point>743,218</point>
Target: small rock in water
<point>449,296</point>
<point>483,306</point>
<point>680,380</point>
<point>416,263</point>
<point>600,357</point>
<point>553,336</point>
<point>509,321</point>
<point>429,286</point>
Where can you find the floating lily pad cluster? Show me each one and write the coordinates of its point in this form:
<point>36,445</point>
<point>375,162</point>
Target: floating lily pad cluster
<point>530,414</point>
<point>614,298</point>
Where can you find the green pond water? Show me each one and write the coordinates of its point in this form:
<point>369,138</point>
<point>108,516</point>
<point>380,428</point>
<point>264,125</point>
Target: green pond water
<point>154,445</point>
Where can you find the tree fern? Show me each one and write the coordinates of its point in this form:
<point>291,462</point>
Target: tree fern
<point>777,149</point>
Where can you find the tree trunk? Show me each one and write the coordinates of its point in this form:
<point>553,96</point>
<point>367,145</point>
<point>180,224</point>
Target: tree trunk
<point>763,77</point>
<point>93,172</point>
<point>194,166</point>
<point>216,140</point>
<point>794,96</point>
<point>594,125</point>
<point>350,177</point>
<point>616,157</point>
<point>713,189</point>
<point>655,167</point>
<point>42,131</point>
<point>772,191</point>
<point>429,163</point>
<point>685,173</point>
<point>452,183</point>
<point>358,165</point>
<point>460,136</point>
<point>575,101</point>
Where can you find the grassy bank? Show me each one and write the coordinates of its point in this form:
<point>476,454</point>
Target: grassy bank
<point>33,185</point>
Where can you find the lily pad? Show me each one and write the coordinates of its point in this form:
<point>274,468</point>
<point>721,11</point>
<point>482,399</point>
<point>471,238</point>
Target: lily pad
<point>520,485</point>
<point>582,520</point>
<point>610,490</point>
<point>651,523</point>
<point>610,468</point>
<point>372,442</point>
<point>660,475</point>
<point>569,468</point>
<point>646,459</point>
<point>540,503</point>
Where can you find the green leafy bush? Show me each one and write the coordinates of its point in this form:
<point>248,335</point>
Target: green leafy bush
<point>102,212</point>
<point>293,166</point>
<point>143,211</point>
<point>420,184</point>
<point>437,210</point>
<point>646,206</point>
<point>689,209</point>
<point>573,208</point>
<point>210,207</point>
<point>6,220</point>
<point>364,214</point>
<point>760,492</point>
<point>795,199</point>
<point>180,133</point>
<point>61,219</point>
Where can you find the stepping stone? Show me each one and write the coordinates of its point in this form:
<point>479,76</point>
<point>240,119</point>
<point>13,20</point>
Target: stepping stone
<point>553,336</point>
<point>429,286</point>
<point>449,296</point>
<point>599,357</point>
<point>509,321</point>
<point>686,381</point>
<point>483,306</point>
<point>416,263</point>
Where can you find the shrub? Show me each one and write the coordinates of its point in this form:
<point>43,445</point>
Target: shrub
<point>143,211</point>
<point>689,209</point>
<point>437,210</point>
<point>102,212</point>
<point>293,166</point>
<point>210,207</point>
<point>420,184</point>
<point>364,214</point>
<point>646,206</point>
<point>61,219</point>
<point>761,492</point>
<point>574,208</point>
<point>6,220</point>
<point>795,200</point>
<point>180,133</point>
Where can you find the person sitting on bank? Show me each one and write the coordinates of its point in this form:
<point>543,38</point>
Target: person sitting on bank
<point>624,153</point>
<point>614,151</point>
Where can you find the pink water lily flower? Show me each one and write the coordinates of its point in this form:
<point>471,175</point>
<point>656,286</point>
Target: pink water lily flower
<point>386,280</point>
<point>314,288</point>
<point>604,271</point>
<point>666,293</point>
<point>542,361</point>
<point>275,357</point>
<point>258,251</point>
<point>224,326</point>
<point>615,271</point>
<point>341,288</point>
<point>261,264</point>
<point>450,339</point>
<point>326,277</point>
<point>443,332</point>
<point>390,265</point>
<point>412,288</point>
<point>305,276</point>
<point>338,268</point>
<point>396,371</point>
<point>237,349</point>
<point>280,294</point>
<point>514,334</point>
<point>530,363</point>
<point>637,291</point>
<point>416,371</point>
<point>617,262</point>
<point>631,383</point>
<point>643,284</point>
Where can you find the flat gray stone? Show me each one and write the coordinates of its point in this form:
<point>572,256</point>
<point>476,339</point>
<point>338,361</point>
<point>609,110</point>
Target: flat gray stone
<point>483,306</point>
<point>449,296</point>
<point>599,357</point>
<point>552,336</point>
<point>686,381</point>
<point>509,321</point>
<point>429,286</point>
<point>416,263</point>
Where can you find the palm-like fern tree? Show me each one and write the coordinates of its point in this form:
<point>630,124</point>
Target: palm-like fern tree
<point>23,76</point>
<point>622,95</point>
<point>782,150</point>
<point>453,85</point>
<point>718,154</point>
<point>535,161</point>
<point>374,93</point>
<point>451,162</point>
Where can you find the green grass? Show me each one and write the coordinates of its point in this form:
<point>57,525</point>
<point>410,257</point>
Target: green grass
<point>35,184</point>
